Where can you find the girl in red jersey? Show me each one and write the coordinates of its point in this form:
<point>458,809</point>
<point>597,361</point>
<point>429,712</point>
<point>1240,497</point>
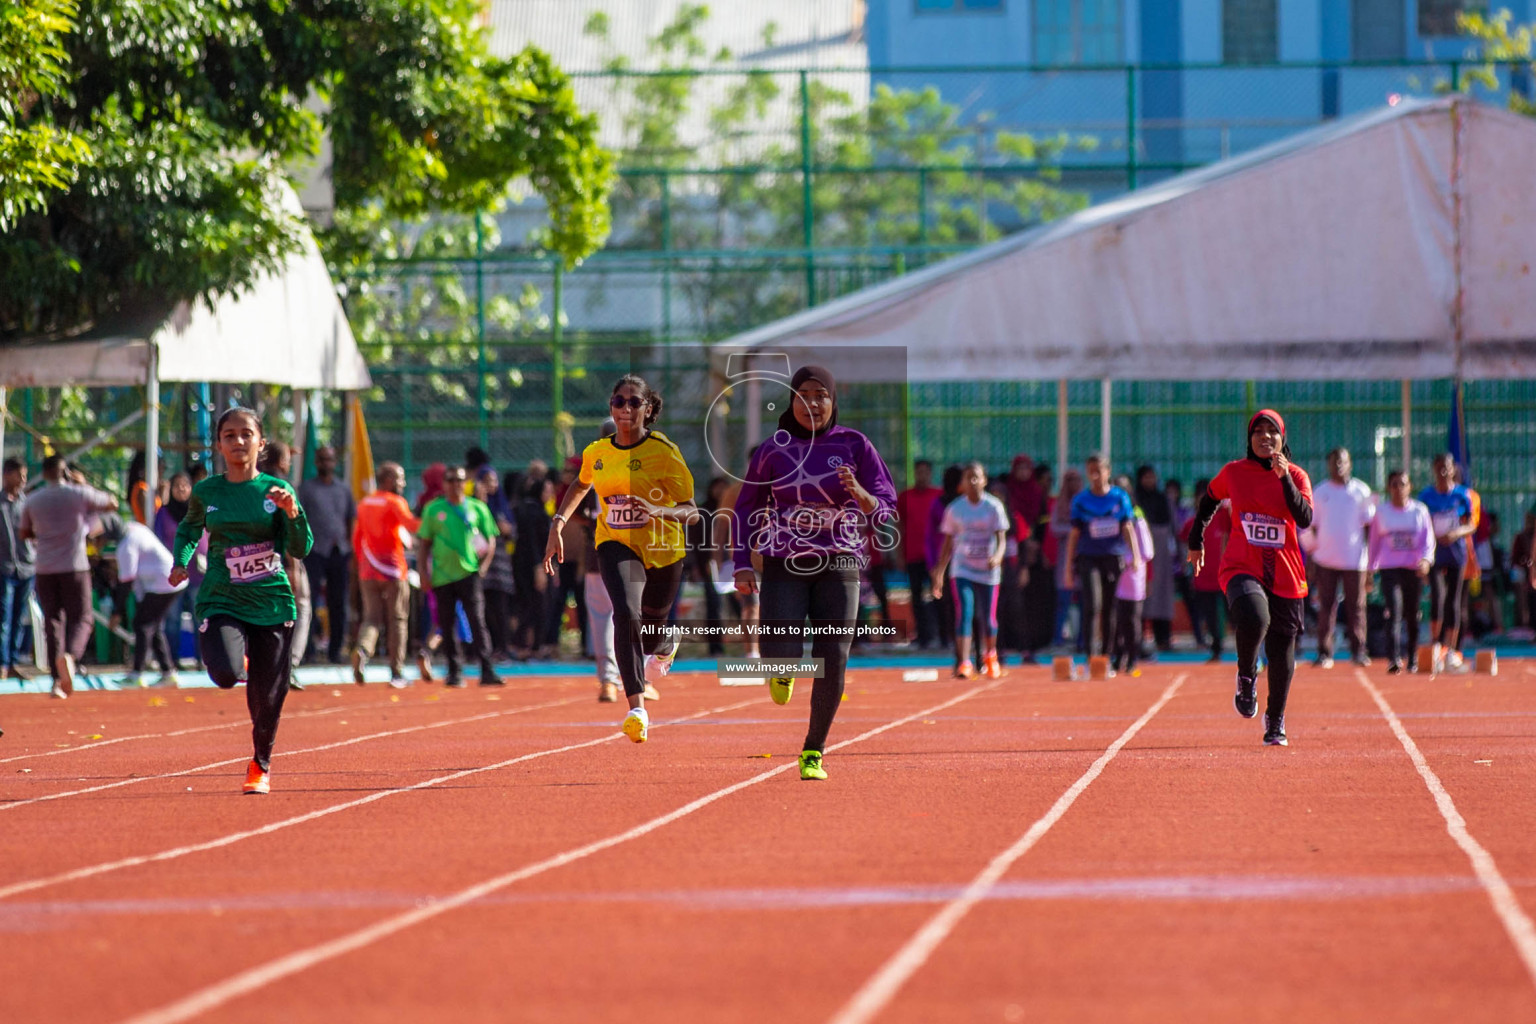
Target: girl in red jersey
<point>1262,572</point>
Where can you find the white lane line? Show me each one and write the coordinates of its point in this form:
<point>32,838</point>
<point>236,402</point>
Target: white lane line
<point>355,708</point>
<point>258,977</point>
<point>93,870</point>
<point>882,987</point>
<point>1522,932</point>
<point>288,753</point>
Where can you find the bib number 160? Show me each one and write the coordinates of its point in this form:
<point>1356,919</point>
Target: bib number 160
<point>1264,533</point>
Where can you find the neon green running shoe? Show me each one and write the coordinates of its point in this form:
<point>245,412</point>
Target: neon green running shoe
<point>810,765</point>
<point>780,688</point>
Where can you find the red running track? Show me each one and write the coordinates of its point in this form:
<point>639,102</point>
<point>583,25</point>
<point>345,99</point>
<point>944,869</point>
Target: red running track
<point>1024,851</point>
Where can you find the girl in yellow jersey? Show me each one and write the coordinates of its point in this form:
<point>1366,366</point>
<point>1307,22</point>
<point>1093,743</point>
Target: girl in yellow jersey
<point>645,499</point>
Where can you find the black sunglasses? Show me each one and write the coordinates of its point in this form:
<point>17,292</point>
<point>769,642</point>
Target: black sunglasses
<point>619,401</point>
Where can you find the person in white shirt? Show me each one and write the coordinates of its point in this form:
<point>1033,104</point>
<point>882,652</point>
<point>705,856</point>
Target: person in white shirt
<point>146,563</point>
<point>1342,509</point>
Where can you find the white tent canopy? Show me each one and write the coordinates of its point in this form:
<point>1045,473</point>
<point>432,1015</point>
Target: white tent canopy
<point>1391,245</point>
<point>287,329</point>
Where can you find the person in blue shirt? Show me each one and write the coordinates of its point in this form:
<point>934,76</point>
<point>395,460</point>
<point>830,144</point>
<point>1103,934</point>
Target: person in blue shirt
<point>1450,510</point>
<point>1101,542</point>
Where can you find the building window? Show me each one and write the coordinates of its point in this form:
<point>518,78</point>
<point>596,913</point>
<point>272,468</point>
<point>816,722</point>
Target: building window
<point>938,6</point>
<point>1249,32</point>
<point>1078,32</point>
<point>1438,17</point>
<point>1378,30</point>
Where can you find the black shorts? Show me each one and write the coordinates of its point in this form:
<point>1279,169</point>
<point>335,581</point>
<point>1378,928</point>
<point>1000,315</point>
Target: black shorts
<point>1287,615</point>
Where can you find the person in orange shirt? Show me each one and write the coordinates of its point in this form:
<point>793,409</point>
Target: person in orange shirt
<point>379,546</point>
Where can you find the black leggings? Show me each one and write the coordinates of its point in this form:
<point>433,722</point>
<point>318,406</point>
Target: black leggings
<point>1127,645</point>
<point>1206,608</point>
<point>1260,617</point>
<point>829,596</point>
<point>235,650</point>
<point>642,600</point>
<point>468,593</point>
<point>1096,579</point>
<point>1400,590</point>
<point>1445,600</point>
<point>149,631</point>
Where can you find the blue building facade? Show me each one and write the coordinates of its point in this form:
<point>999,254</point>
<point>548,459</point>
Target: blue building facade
<point>1230,98</point>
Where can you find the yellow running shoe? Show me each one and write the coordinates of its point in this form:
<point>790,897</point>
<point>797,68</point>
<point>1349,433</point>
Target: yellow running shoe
<point>810,766</point>
<point>256,780</point>
<point>637,725</point>
<point>780,688</point>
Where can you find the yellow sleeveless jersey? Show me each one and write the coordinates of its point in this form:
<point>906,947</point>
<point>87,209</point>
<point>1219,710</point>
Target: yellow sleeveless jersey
<point>654,470</point>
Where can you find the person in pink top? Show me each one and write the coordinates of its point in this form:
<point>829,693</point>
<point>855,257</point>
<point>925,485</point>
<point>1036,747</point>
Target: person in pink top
<point>1403,551</point>
<point>914,507</point>
<point>1130,593</point>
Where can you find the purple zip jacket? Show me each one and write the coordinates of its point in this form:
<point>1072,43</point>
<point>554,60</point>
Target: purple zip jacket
<point>793,503</point>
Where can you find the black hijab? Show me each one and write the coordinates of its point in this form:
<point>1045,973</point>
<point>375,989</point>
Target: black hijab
<point>822,376</point>
<point>1152,500</point>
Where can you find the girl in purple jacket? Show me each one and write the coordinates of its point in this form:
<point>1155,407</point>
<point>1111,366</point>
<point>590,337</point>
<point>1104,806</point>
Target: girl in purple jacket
<point>813,493</point>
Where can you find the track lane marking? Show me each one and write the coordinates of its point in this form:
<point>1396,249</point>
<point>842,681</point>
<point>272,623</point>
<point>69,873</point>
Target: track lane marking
<point>198,728</point>
<point>289,753</point>
<point>878,991</point>
<point>16,888</point>
<point>254,978</point>
<point>1522,932</point>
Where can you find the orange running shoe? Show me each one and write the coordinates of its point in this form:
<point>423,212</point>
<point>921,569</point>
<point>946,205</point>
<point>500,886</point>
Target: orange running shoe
<point>256,780</point>
<point>965,670</point>
<point>991,668</point>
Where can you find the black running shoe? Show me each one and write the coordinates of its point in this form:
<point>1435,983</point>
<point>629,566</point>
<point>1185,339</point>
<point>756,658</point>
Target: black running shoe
<point>1247,699</point>
<point>1274,731</point>
<point>1394,668</point>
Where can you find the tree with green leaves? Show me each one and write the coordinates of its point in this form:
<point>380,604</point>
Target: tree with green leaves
<point>191,109</point>
<point>963,195</point>
<point>37,157</point>
<point>1499,45</point>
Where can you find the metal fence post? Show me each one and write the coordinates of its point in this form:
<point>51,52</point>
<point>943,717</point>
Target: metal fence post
<point>480,360</point>
<point>666,259</point>
<point>557,359</point>
<point>807,205</point>
<point>1130,126</point>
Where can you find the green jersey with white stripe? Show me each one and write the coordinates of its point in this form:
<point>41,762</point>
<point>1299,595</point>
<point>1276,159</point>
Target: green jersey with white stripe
<point>248,535</point>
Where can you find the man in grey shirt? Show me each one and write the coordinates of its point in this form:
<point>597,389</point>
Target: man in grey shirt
<point>16,570</point>
<point>331,509</point>
<point>58,518</point>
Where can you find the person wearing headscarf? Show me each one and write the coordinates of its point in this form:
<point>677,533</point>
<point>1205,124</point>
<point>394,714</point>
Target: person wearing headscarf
<point>1263,573</point>
<point>813,492</point>
<point>1026,498</point>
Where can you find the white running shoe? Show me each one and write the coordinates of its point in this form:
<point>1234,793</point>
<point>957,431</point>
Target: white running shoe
<point>170,679</point>
<point>658,665</point>
<point>637,725</point>
<point>399,683</point>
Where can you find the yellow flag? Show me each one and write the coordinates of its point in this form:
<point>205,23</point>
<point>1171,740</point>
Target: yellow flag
<point>360,472</point>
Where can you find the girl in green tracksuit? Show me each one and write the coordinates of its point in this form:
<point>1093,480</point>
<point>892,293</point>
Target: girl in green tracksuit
<point>246,603</point>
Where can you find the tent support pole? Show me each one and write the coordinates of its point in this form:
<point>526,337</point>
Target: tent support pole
<point>151,436</point>
<point>1407,426</point>
<point>300,399</point>
<point>1105,413</point>
<point>5,408</point>
<point>908,437</point>
<point>1061,427</point>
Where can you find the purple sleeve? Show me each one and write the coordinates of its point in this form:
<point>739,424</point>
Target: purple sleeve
<point>1378,538</point>
<point>875,477</point>
<point>750,499</point>
<point>935,524</point>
